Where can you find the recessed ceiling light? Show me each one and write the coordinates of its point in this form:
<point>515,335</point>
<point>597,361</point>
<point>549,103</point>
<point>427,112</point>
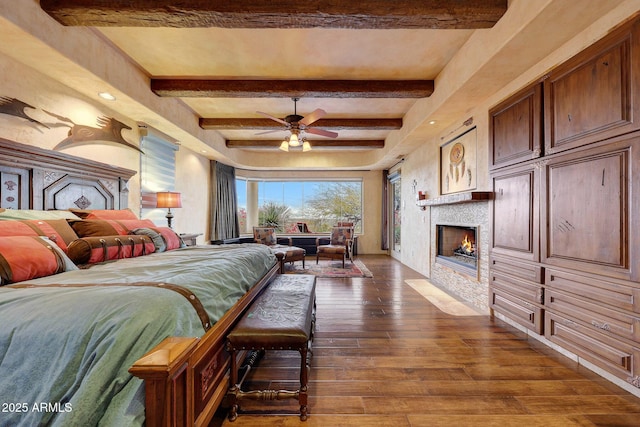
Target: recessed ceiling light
<point>432,122</point>
<point>107,96</point>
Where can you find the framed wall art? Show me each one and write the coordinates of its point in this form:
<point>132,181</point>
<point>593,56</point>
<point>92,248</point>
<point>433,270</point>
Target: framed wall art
<point>458,165</point>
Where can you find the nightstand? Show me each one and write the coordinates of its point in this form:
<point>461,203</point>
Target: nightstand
<point>189,239</point>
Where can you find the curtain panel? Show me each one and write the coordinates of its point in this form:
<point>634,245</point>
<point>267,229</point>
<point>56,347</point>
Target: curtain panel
<point>224,203</point>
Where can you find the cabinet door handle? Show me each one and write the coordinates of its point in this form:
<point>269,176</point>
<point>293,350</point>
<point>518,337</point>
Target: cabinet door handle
<point>603,326</point>
<point>625,362</point>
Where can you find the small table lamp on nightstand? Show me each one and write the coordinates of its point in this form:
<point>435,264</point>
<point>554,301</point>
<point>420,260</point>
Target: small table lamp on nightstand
<point>168,199</point>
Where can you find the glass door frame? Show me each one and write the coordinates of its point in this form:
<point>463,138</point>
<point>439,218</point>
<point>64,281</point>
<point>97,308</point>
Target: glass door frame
<point>395,214</point>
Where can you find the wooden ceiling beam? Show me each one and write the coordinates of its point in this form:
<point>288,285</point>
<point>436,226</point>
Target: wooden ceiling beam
<point>362,14</point>
<point>333,144</point>
<point>194,88</point>
<point>332,124</point>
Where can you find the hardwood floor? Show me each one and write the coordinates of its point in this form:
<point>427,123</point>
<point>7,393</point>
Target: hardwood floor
<point>385,356</point>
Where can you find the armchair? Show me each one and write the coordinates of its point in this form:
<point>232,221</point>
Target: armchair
<point>267,236</point>
<point>281,246</point>
<point>340,245</point>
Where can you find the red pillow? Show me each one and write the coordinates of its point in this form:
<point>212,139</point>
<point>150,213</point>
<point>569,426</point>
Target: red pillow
<point>27,257</point>
<point>58,230</point>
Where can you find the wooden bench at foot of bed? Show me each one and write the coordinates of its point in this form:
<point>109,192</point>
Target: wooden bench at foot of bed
<point>281,318</point>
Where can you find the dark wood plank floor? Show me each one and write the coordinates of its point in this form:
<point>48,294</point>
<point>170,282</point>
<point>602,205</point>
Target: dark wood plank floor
<point>385,356</point>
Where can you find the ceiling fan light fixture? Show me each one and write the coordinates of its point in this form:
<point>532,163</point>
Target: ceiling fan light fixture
<point>285,145</point>
<point>306,146</point>
<point>293,140</point>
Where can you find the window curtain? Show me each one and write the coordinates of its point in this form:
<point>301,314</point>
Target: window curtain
<point>384,238</point>
<point>224,203</point>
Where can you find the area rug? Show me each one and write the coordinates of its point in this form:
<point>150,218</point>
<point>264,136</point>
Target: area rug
<point>329,268</point>
<point>441,299</point>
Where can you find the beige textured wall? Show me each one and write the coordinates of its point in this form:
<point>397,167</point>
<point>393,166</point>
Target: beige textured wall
<point>192,180</point>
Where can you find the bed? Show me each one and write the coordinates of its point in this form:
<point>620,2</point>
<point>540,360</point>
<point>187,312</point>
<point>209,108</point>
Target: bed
<point>136,340</point>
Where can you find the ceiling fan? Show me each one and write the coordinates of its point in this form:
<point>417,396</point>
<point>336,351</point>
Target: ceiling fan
<point>297,125</point>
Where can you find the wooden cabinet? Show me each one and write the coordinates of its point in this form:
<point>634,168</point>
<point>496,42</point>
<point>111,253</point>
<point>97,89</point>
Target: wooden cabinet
<point>565,250</point>
<point>515,127</point>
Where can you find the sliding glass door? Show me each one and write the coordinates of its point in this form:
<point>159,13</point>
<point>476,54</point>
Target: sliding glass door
<point>395,214</point>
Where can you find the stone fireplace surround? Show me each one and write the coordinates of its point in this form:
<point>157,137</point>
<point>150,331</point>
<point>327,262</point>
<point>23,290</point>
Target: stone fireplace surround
<point>472,288</point>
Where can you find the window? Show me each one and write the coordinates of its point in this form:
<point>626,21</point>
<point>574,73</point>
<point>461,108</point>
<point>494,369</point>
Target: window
<point>287,205</point>
<point>157,173</point>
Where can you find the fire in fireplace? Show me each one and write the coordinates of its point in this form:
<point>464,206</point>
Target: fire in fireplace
<point>457,245</point>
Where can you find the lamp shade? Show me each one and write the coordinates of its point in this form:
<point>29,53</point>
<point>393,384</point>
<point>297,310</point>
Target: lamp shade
<point>168,199</point>
<point>294,141</point>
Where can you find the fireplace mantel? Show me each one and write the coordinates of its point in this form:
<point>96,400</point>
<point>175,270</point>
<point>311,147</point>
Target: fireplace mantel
<point>451,199</point>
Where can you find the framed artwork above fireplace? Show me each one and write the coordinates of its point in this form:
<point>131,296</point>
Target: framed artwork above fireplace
<point>458,165</point>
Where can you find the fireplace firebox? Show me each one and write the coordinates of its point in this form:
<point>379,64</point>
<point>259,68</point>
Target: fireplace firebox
<point>457,247</point>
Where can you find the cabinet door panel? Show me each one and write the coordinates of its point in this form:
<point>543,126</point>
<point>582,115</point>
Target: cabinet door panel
<point>589,98</point>
<point>586,200</point>
<point>576,190</point>
<point>515,128</point>
<point>515,214</point>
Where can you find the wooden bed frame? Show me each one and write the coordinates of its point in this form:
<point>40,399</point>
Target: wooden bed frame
<point>186,379</point>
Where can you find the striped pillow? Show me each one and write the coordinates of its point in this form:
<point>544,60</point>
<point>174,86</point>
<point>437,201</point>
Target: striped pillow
<point>28,257</point>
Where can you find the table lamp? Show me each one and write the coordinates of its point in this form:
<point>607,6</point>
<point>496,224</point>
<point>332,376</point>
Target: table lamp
<point>168,199</point>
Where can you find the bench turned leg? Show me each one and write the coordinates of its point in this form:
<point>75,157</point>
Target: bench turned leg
<point>233,391</point>
<point>304,379</point>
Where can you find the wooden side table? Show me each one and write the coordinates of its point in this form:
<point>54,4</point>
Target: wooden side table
<point>189,239</point>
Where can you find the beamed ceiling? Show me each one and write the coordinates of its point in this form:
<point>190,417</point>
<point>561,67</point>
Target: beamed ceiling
<point>230,60</point>
<point>374,66</point>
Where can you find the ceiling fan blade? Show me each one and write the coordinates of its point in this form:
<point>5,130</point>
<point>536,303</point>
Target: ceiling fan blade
<point>270,131</point>
<point>322,132</point>
<point>314,116</point>
<point>273,118</point>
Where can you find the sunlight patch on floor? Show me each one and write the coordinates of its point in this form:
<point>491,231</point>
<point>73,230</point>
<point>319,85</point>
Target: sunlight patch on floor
<point>441,299</point>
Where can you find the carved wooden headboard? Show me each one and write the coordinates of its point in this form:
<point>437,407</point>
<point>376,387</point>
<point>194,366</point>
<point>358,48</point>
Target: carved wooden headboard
<point>35,178</point>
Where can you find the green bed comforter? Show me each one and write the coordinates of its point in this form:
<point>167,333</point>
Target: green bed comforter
<point>65,352</point>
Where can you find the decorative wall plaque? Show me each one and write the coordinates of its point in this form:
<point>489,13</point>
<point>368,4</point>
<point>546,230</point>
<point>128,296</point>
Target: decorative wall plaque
<point>458,163</point>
